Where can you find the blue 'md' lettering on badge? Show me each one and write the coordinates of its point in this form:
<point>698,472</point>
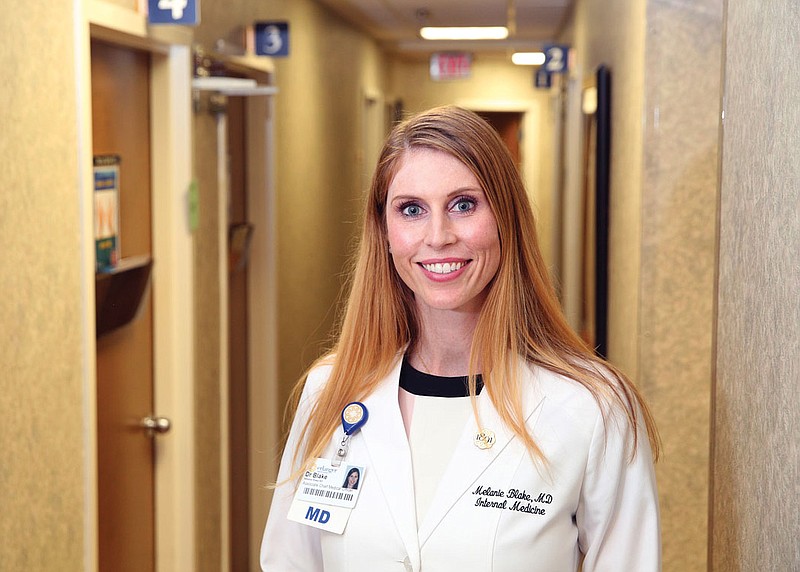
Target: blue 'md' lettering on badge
<point>317,515</point>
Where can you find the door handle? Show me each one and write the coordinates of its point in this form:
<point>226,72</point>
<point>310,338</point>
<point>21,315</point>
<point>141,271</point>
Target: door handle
<point>155,425</point>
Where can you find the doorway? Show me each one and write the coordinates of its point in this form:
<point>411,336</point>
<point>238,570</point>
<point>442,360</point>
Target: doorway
<point>508,125</point>
<point>120,80</point>
<point>248,410</point>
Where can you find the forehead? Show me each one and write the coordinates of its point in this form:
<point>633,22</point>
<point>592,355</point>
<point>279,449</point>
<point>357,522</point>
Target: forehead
<point>425,169</point>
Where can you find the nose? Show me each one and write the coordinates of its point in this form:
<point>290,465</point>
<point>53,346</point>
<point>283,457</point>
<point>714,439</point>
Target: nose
<point>440,231</point>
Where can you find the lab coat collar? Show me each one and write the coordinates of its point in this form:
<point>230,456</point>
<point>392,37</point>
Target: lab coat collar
<point>390,456</point>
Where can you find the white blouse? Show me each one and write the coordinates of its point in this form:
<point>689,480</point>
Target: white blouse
<point>434,418</point>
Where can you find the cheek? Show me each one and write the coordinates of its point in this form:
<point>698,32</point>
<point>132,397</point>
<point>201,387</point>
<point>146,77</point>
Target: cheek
<point>487,241</point>
<point>400,243</point>
<point>398,250</point>
<point>486,238</point>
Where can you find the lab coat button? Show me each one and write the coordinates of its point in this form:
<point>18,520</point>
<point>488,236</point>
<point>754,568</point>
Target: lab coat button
<point>407,564</point>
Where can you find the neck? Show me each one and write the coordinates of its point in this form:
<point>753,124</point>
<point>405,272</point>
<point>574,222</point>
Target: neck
<point>444,343</point>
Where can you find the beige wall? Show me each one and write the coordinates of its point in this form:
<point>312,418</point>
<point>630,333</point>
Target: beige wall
<point>664,59</point>
<point>756,459</point>
<point>678,253</point>
<point>42,442</point>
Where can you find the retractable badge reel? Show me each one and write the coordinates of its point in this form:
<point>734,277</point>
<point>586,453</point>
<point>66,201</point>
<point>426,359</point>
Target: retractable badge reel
<point>328,491</point>
<point>354,415</point>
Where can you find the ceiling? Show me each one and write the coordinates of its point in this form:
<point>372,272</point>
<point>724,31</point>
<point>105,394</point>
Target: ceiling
<point>395,23</point>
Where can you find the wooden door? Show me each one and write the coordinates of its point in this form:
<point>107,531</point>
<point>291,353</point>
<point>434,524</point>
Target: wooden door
<point>121,125</point>
<point>238,413</point>
<point>509,125</point>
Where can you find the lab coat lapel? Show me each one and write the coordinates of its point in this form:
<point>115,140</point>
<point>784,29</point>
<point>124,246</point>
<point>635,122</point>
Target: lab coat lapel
<point>390,457</point>
<point>468,461</point>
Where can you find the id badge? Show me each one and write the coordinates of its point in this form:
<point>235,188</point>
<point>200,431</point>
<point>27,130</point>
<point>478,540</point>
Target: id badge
<point>327,495</point>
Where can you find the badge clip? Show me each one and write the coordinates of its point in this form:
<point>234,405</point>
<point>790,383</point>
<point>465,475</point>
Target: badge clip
<point>354,415</point>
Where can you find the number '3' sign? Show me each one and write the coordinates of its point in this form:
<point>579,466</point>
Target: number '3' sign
<point>272,39</point>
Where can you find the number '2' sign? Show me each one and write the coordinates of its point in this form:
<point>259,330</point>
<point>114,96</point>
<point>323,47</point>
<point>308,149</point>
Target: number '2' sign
<point>272,39</point>
<point>555,58</point>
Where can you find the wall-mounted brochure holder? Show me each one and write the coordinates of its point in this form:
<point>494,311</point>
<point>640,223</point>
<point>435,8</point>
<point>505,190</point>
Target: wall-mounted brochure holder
<point>119,293</point>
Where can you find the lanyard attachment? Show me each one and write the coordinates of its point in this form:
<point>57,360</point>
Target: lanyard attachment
<point>341,452</point>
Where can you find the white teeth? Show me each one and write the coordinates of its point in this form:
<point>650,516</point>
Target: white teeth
<point>445,268</point>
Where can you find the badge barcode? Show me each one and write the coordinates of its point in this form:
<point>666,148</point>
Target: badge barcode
<point>338,495</point>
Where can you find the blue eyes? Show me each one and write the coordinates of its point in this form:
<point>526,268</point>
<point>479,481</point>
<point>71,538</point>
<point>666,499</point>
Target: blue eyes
<point>461,205</point>
<point>411,210</point>
<point>464,205</point>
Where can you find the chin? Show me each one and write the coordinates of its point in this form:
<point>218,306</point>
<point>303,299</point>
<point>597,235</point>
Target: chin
<point>451,305</point>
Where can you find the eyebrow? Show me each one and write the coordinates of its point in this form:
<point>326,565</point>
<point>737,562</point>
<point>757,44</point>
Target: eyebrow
<point>452,194</point>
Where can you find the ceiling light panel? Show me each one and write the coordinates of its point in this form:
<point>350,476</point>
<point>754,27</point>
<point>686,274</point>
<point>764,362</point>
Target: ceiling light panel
<point>467,33</point>
<point>527,58</point>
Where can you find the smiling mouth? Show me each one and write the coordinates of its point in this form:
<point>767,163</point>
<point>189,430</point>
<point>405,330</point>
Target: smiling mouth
<point>443,268</point>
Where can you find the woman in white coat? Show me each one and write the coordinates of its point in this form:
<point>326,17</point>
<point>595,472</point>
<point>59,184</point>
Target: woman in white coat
<point>487,435</point>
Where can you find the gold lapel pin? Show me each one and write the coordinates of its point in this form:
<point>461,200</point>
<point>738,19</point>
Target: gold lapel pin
<point>484,439</point>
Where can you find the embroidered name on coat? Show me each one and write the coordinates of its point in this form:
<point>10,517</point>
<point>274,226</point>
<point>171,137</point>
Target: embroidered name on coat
<point>512,499</point>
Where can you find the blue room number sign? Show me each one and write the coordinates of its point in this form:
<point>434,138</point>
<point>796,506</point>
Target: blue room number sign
<point>272,39</point>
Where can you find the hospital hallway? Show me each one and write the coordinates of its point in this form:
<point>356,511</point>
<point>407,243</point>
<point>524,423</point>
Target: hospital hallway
<point>179,210</point>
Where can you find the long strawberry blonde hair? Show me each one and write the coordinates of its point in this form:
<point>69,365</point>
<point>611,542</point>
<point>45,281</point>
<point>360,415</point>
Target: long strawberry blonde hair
<point>521,316</point>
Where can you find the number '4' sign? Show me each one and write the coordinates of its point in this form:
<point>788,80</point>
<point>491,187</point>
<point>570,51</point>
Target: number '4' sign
<point>173,12</point>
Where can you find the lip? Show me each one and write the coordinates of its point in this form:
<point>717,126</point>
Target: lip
<point>444,277</point>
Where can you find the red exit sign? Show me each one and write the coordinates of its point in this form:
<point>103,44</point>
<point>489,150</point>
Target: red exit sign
<point>451,65</point>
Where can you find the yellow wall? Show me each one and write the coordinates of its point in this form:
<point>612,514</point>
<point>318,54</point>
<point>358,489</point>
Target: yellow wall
<point>613,33</point>
<point>319,175</point>
<point>318,180</point>
<point>318,144</point>
<point>41,307</point>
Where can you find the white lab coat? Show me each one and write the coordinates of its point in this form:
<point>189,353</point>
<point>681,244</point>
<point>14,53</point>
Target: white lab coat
<point>595,502</point>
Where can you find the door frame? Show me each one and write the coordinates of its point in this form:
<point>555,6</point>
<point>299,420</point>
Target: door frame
<point>173,316</point>
<point>373,133</point>
<point>264,412</point>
